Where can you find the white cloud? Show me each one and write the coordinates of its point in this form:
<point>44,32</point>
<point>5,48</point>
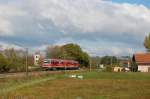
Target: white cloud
<point>4,46</point>
<point>5,27</point>
<point>7,12</point>
<point>75,20</point>
<point>86,16</point>
<point>82,16</point>
<point>104,51</point>
<point>98,48</point>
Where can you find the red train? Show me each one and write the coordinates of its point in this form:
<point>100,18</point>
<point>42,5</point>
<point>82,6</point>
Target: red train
<point>60,64</point>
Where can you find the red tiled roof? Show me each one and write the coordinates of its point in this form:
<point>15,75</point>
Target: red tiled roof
<point>142,57</point>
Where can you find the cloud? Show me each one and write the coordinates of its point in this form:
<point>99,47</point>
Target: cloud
<point>120,28</point>
<point>90,19</point>
<point>86,16</point>
<point>4,45</point>
<point>100,48</point>
<point>116,51</point>
<point>7,12</point>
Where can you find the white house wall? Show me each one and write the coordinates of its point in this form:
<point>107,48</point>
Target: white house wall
<point>36,59</point>
<point>143,68</point>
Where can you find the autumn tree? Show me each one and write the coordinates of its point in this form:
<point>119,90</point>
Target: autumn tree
<point>12,60</point>
<point>16,59</point>
<point>69,51</point>
<point>54,52</point>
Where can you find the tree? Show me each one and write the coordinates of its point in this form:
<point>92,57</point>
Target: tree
<point>134,66</point>
<point>30,60</point>
<point>109,60</point>
<point>74,51</point>
<point>53,52</point>
<point>12,60</point>
<point>95,62</point>
<point>147,43</point>
<point>3,63</point>
<point>15,59</point>
<point>69,51</point>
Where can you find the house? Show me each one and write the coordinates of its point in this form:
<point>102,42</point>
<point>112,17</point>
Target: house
<point>143,61</point>
<point>37,57</point>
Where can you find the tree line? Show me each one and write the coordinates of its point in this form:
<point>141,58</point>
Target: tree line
<point>12,60</point>
<point>109,62</point>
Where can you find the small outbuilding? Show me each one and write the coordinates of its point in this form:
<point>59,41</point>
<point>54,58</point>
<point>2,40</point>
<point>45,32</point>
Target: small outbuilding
<point>118,69</point>
<point>143,61</point>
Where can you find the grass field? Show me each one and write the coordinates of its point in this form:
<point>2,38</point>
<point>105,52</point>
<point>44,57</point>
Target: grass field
<point>94,85</point>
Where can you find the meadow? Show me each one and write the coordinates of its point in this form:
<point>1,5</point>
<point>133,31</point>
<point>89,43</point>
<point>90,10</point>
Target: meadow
<point>94,85</point>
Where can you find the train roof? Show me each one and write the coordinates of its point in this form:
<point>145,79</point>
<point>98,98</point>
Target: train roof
<point>61,60</point>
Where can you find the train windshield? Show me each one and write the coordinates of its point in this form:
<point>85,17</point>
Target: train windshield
<point>46,61</point>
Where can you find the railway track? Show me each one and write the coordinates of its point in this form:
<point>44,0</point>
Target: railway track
<point>34,73</point>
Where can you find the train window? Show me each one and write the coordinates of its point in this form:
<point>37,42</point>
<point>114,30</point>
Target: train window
<point>56,62</point>
<point>46,61</point>
<point>52,62</point>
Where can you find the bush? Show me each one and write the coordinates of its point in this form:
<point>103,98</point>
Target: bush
<point>108,68</point>
<point>3,64</point>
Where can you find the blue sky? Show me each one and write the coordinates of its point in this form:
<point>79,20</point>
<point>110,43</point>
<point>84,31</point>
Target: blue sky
<point>143,2</point>
<point>100,27</point>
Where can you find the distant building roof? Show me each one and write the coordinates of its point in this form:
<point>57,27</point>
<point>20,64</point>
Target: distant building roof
<point>142,58</point>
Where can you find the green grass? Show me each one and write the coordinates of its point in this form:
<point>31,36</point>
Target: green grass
<point>10,84</point>
<point>95,85</point>
<point>120,75</point>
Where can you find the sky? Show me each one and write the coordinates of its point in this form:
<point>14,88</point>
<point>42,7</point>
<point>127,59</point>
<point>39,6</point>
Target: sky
<point>142,2</point>
<point>100,27</point>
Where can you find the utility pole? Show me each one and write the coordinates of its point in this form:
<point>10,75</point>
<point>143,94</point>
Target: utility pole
<point>26,61</point>
<point>64,57</point>
<point>111,60</point>
<point>90,64</point>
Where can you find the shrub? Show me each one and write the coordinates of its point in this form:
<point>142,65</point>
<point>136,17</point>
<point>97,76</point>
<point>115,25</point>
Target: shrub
<point>3,64</point>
